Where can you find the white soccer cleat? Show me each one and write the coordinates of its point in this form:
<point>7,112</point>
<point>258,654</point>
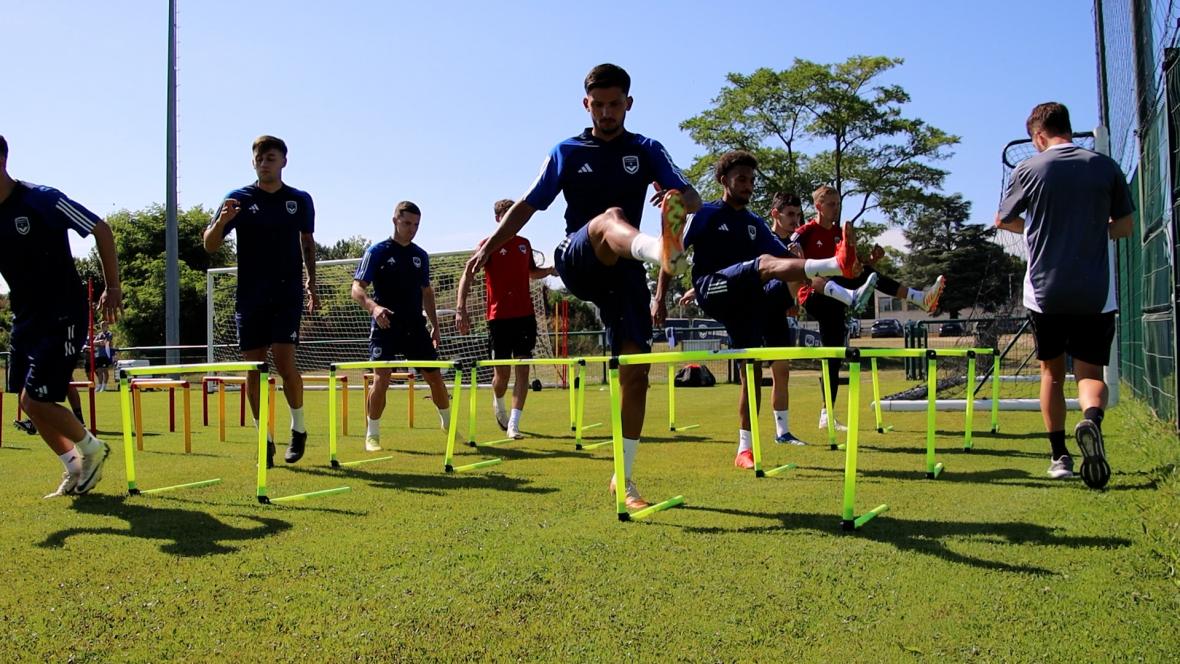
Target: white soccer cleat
<point>68,482</point>
<point>860,296</point>
<point>514,432</point>
<point>823,422</point>
<point>633,500</point>
<point>372,443</point>
<point>92,468</point>
<point>931,295</point>
<point>501,415</point>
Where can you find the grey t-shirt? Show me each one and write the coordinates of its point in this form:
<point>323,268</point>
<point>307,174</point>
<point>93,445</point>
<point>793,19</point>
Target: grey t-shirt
<point>1070,195</point>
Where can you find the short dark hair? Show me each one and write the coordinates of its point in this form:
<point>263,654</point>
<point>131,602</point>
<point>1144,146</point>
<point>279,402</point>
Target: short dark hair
<point>733,159</point>
<point>3,147</point>
<point>1051,118</point>
<point>502,206</point>
<point>783,200</point>
<point>608,76</point>
<point>265,143</point>
<point>406,206</point>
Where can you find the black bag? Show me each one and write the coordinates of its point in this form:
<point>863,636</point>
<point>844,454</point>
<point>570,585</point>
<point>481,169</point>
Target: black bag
<point>695,375</point>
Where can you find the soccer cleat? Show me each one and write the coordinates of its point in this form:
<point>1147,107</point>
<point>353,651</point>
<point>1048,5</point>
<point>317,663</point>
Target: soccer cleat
<point>930,295</point>
<point>1061,467</point>
<point>860,296</point>
<point>92,469</point>
<point>501,415</point>
<point>296,447</point>
<point>372,443</point>
<point>823,422</point>
<point>744,459</point>
<point>26,425</point>
<point>804,292</point>
<point>1095,471</point>
<point>514,432</point>
<point>68,483</point>
<point>789,438</point>
<point>673,217</point>
<point>633,501</point>
<point>846,253</point>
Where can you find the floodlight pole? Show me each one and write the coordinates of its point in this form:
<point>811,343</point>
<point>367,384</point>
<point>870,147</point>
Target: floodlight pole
<point>172,270</point>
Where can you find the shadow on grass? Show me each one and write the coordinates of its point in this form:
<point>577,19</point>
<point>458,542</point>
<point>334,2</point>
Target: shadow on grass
<point>433,484</point>
<point>926,537</point>
<point>184,532</point>
<point>975,451</point>
<point>1013,477</point>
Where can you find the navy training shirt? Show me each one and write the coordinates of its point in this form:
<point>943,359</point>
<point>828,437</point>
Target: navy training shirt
<point>35,257</point>
<point>596,175</point>
<point>398,274</point>
<point>270,256</point>
<point>721,236</point>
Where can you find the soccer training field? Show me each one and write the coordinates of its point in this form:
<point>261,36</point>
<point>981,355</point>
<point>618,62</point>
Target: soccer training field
<point>526,560</point>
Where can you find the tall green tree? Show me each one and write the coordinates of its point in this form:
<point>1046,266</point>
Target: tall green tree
<point>812,123</point>
<point>139,241</point>
<point>349,247</point>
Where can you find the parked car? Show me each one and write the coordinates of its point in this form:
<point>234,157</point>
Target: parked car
<point>886,327</point>
<point>950,330</point>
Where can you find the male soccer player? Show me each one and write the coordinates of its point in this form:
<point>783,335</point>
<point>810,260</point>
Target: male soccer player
<point>275,224</point>
<point>604,173</point>
<point>104,356</point>
<point>512,323</point>
<point>1074,201</point>
<point>818,240</point>
<point>399,271</point>
<point>786,215</point>
<point>740,272</point>
<point>49,314</point>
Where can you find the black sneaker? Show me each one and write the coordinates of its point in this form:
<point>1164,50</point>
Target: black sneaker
<point>25,425</point>
<point>295,449</point>
<point>1095,470</point>
<point>270,454</point>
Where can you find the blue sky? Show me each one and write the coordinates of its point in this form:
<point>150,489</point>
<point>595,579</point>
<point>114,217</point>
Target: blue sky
<point>455,104</point>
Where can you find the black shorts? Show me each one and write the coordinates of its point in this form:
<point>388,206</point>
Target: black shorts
<point>1086,337</point>
<point>43,359</point>
<point>512,337</point>
<point>102,362</point>
<point>407,339</point>
<point>620,291</point>
<point>270,323</point>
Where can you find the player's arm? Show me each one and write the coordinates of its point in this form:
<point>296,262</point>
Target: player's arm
<point>536,272</point>
<point>1015,224</point>
<point>461,321</point>
<point>1014,204</point>
<point>669,176</point>
<point>1122,227</point>
<point>111,300</point>
<point>215,233</point>
<point>307,244</point>
<point>431,314</point>
<point>360,294</point>
<point>659,303</point>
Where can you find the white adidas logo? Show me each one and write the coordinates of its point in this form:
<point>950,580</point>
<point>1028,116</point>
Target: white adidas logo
<point>585,169</point>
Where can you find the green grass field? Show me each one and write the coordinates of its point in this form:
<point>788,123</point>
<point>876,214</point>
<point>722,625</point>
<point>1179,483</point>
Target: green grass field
<point>526,560</point>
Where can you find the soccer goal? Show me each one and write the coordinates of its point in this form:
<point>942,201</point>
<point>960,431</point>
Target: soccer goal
<point>1007,329</point>
<point>339,331</point>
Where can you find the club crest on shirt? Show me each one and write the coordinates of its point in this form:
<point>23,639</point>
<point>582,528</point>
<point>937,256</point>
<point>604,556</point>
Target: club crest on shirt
<point>377,353</point>
<point>631,164</point>
<point>22,225</point>
<point>523,249</point>
<point>292,207</point>
<point>752,231</point>
<point>417,262</point>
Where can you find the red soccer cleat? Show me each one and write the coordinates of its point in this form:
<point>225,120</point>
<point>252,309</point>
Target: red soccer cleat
<point>744,459</point>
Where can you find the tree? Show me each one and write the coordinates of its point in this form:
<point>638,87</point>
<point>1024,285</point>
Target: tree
<point>815,123</point>
<point>349,247</point>
<point>139,242</point>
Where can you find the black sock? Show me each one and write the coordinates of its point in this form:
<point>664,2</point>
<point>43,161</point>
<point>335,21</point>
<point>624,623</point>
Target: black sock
<point>1095,415</point>
<point>1057,442</point>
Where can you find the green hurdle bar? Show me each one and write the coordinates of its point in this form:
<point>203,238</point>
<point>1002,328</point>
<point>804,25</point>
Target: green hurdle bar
<point>672,405</point>
<point>125,376</point>
<point>456,400</point>
<point>762,354</point>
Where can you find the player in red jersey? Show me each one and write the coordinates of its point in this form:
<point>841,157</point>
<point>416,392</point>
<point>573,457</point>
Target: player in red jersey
<point>512,323</point>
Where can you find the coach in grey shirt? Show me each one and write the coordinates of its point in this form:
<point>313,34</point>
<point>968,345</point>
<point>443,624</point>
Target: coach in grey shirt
<point>1074,201</point>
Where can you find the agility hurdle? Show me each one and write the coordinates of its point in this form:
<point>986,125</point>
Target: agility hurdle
<point>139,385</point>
<point>849,521</point>
<point>221,382</point>
<point>316,379</point>
<point>125,377</point>
<point>448,466</point>
<point>367,386</point>
<point>934,468</point>
<point>576,390</point>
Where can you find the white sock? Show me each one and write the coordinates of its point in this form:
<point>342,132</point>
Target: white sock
<point>444,416</point>
<point>499,401</point>
<point>647,248</point>
<point>297,420</point>
<point>630,449</point>
<point>373,427</point>
<point>72,461</point>
<point>821,267</point>
<point>745,440</point>
<point>514,419</point>
<point>88,445</point>
<point>915,296</point>
<point>780,422</point>
<point>838,292</point>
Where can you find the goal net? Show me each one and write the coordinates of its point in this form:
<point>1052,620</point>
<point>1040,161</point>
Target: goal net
<point>339,330</point>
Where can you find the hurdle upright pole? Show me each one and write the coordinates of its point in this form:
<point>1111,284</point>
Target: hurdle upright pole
<point>263,428</point>
<point>332,417</point>
<point>995,391</point>
<point>471,403</point>
<point>849,519</point>
<point>221,410</point>
<point>828,404</point>
<point>580,382</point>
<point>137,405</point>
<point>448,465</point>
<point>571,386</point>
<point>343,402</point>
<point>876,397</point>
<point>671,399</point>
<point>128,446</point>
<point>970,405</point>
<point>188,425</point>
<point>616,422</point>
<point>933,469</point>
